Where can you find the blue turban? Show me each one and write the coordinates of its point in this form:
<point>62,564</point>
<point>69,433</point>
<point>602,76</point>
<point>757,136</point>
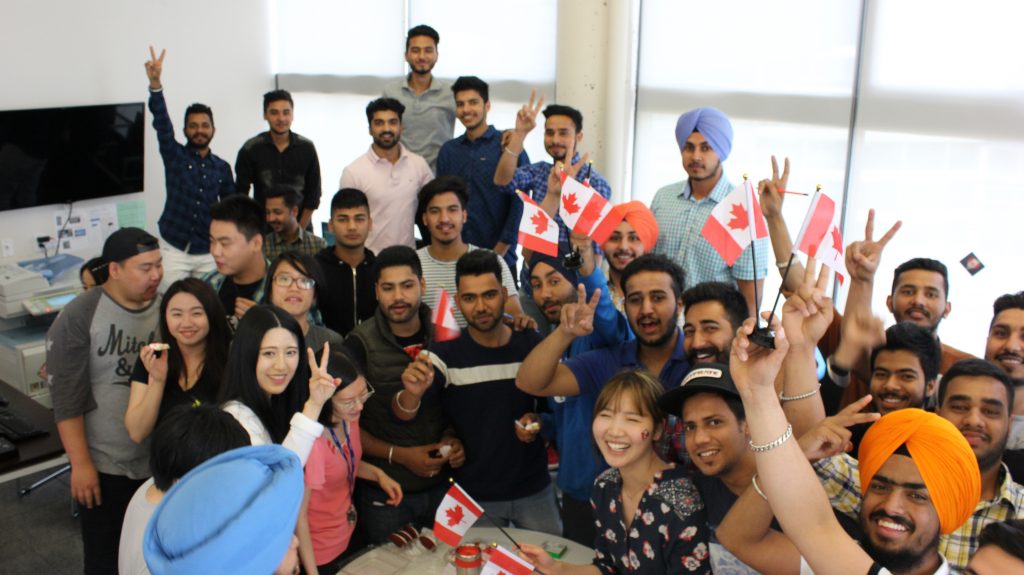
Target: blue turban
<point>570,275</point>
<point>712,124</point>
<point>235,513</point>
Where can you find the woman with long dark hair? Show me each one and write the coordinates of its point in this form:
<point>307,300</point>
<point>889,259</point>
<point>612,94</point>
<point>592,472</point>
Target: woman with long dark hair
<point>263,387</point>
<point>193,326</point>
<point>295,283</point>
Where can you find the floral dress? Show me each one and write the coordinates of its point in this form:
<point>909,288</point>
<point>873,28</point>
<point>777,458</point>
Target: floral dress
<point>668,533</point>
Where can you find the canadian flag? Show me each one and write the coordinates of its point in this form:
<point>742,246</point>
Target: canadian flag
<point>445,326</point>
<point>504,562</point>
<point>456,514</point>
<point>728,227</point>
<point>537,231</point>
<point>585,211</point>
<point>820,236</point>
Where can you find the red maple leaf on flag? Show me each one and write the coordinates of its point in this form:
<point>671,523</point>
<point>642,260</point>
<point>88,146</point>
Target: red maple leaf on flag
<point>540,222</point>
<point>837,240</point>
<point>569,203</point>
<point>454,515</point>
<point>739,218</point>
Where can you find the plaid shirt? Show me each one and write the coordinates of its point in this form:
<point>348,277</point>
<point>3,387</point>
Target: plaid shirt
<point>680,219</point>
<point>193,184</point>
<point>840,476</point>
<point>532,180</point>
<point>305,243</point>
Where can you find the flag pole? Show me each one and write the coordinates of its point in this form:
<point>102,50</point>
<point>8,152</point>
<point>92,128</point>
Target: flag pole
<point>785,274</point>
<point>753,250</point>
<point>451,481</point>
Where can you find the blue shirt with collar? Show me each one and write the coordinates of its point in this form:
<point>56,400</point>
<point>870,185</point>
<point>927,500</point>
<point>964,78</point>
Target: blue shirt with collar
<point>494,211</point>
<point>680,219</point>
<point>193,184</point>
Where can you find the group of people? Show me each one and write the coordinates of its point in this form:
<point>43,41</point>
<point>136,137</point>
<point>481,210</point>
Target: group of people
<point>295,401</point>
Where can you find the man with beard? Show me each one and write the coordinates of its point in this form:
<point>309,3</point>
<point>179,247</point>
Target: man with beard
<point>280,158</point>
<point>286,235</point>
<point>654,290</point>
<point>633,237</point>
<point>714,311</point>
<point>408,451</point>
<point>90,349</point>
<point>195,179</point>
<point>443,204</point>
<point>390,176</point>
<point>494,213</point>
<point>977,397</point>
<point>1005,348</point>
<point>554,287</point>
<point>563,132</point>
<point>474,377</point>
<point>431,118</point>
<point>704,136</point>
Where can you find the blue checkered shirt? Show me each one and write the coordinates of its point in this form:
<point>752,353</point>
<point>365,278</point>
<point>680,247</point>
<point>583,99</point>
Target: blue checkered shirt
<point>193,185</point>
<point>533,181</point>
<point>680,220</point>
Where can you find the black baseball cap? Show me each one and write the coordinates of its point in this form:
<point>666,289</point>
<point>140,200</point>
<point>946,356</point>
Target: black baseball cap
<point>713,377</point>
<point>128,242</point>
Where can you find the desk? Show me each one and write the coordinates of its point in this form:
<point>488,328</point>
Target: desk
<point>38,453</point>
<point>390,560</point>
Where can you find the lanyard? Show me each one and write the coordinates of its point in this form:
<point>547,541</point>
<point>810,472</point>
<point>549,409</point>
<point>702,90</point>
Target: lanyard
<point>348,456</point>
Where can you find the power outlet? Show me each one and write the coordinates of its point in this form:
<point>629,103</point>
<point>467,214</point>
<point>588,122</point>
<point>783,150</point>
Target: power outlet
<point>7,244</point>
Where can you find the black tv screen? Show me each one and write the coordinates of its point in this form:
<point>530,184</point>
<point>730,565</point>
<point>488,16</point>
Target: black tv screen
<point>58,155</point>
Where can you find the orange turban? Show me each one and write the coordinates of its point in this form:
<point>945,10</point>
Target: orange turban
<point>940,452</point>
<point>640,217</point>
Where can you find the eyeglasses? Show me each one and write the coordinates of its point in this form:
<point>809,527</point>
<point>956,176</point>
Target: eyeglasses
<point>350,405</point>
<point>285,280</point>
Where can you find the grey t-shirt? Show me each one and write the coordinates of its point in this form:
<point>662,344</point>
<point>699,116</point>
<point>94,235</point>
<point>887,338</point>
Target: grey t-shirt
<point>90,350</point>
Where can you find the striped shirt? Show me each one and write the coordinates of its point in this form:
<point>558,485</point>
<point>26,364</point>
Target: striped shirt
<point>680,219</point>
<point>441,274</point>
<point>305,243</point>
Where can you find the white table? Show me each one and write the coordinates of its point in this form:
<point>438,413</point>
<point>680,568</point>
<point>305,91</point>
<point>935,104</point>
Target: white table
<point>390,560</point>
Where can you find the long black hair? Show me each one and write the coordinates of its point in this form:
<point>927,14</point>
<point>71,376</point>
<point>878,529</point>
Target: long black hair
<point>217,340</point>
<point>240,382</point>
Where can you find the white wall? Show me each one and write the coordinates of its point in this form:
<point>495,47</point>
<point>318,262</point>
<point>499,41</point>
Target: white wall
<point>67,53</point>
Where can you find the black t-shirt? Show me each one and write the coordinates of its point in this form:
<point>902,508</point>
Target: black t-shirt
<point>204,392</point>
<point>229,290</point>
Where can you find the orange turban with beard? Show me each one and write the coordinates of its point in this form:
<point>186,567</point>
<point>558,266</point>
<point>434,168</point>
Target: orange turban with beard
<point>640,217</point>
<point>940,452</point>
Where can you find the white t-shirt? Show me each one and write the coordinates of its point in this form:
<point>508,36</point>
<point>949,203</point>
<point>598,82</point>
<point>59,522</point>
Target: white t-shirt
<point>130,560</point>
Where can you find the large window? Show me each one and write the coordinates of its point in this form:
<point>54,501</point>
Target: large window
<point>926,129</point>
<point>337,56</point>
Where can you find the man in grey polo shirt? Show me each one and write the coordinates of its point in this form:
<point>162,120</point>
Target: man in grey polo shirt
<point>90,350</point>
<point>429,119</point>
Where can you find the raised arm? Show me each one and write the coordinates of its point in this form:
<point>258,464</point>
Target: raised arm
<point>790,485</point>
<point>145,397</point>
<point>806,316</point>
<point>542,372</point>
<point>512,145</point>
<point>771,194</point>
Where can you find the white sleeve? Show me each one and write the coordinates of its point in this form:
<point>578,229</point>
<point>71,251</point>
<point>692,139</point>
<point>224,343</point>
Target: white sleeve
<point>258,434</point>
<point>301,436</point>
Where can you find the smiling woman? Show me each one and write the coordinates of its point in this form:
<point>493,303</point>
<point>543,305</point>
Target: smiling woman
<point>262,381</point>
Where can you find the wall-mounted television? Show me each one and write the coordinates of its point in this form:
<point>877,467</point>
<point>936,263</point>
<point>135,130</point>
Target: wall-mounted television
<point>59,155</point>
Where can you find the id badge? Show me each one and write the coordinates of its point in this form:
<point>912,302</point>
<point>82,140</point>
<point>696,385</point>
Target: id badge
<point>351,515</point>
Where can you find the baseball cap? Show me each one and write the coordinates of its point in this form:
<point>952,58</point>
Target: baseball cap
<point>128,242</point>
<point>713,377</point>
